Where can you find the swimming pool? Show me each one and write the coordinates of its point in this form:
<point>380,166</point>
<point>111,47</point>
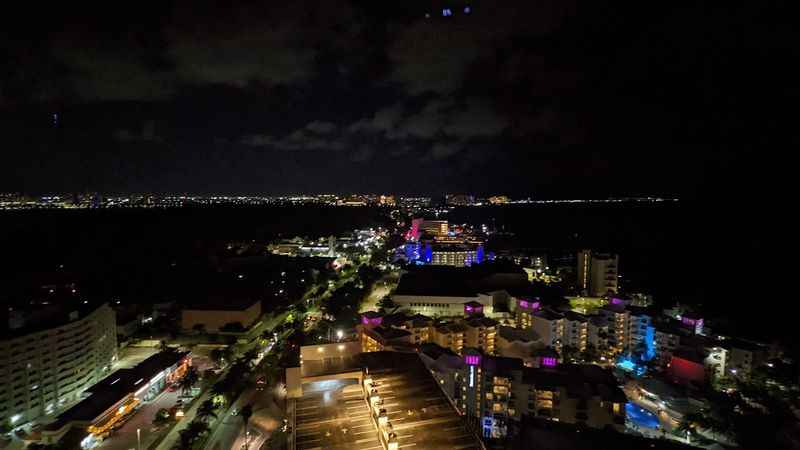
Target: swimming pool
<point>641,417</point>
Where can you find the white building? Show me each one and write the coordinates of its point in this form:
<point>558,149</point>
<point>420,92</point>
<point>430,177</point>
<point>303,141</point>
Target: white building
<point>45,368</point>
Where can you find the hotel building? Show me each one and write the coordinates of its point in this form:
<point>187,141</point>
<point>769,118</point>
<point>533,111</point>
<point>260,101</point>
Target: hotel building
<point>51,356</point>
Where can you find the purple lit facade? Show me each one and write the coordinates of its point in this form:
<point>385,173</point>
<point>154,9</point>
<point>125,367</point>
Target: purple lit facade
<point>374,321</point>
<point>617,301</point>
<point>697,324</point>
<point>472,360</point>
<point>468,309</point>
<point>548,361</point>
<point>527,304</point>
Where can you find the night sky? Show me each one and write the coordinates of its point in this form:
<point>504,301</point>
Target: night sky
<point>546,98</point>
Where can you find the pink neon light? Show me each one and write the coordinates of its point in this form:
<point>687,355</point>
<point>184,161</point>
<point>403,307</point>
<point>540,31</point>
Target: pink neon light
<point>472,360</point>
<point>549,361</point>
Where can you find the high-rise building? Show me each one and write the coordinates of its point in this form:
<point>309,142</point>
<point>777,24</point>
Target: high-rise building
<point>598,273</point>
<point>45,365</point>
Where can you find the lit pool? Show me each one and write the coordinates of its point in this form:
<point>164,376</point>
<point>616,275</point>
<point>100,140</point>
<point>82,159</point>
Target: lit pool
<point>641,417</point>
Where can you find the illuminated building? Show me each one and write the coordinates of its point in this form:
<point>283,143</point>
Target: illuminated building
<point>50,356</point>
<point>550,326</point>
<point>498,200</point>
<point>450,335</point>
<point>380,338</point>
<point>440,291</point>
<point>744,357</point>
<point>667,341</point>
<point>618,319</point>
<point>460,199</point>
<point>387,200</point>
<point>400,331</point>
<point>116,397</point>
<point>641,332</point>
<point>687,367</point>
<point>515,343</point>
<point>496,391</point>
<point>597,273</point>
<point>435,227</point>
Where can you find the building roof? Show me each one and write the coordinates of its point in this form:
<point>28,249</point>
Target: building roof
<point>580,381</point>
<point>461,281</point>
<point>485,322</point>
<point>386,334</point>
<point>435,351</point>
<point>512,334</point>
<point>110,390</point>
<point>500,365</point>
<point>548,314</point>
<point>572,316</point>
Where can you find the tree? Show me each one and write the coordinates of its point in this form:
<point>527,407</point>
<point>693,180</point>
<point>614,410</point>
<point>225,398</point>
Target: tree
<point>246,413</point>
<point>162,416</point>
<point>386,303</point>
<point>206,411</point>
<point>189,380</point>
<point>569,353</point>
<point>590,354</point>
<point>191,434</point>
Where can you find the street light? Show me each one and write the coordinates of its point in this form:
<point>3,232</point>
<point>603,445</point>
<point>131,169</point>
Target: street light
<point>339,334</point>
<point>138,439</point>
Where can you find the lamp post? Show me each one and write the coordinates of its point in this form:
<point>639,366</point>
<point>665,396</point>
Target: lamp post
<point>138,439</point>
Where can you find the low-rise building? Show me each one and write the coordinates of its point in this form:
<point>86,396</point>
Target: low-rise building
<point>216,317</point>
<point>112,400</point>
<point>517,343</point>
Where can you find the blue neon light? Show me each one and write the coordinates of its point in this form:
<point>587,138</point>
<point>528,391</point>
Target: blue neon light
<point>649,344</point>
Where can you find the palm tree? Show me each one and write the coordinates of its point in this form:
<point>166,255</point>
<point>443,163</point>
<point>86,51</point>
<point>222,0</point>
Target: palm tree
<point>189,380</point>
<point>246,413</point>
<point>206,411</point>
<point>190,435</point>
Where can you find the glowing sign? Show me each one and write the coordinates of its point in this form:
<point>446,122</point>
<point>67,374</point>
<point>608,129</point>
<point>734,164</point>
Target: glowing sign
<point>472,360</point>
<point>471,376</point>
<point>549,361</point>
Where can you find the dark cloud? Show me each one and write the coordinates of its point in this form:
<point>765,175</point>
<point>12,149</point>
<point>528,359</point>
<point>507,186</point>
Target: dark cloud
<point>321,127</point>
<point>442,151</point>
<point>519,91</point>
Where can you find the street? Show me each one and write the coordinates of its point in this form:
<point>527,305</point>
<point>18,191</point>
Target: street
<point>125,437</point>
<point>267,416</point>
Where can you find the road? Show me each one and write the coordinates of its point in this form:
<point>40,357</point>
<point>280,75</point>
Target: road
<point>125,437</point>
<point>380,289</point>
<point>267,416</point>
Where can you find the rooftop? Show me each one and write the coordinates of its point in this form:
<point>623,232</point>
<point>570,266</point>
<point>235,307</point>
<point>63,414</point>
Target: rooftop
<point>580,381</point>
<point>461,281</point>
<point>515,334</point>
<point>113,388</point>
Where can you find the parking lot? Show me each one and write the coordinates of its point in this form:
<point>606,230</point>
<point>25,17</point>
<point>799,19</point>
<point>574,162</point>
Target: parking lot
<point>420,414</point>
<point>334,415</point>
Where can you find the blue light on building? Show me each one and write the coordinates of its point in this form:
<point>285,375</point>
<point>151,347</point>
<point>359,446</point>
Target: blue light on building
<point>479,255</point>
<point>630,364</point>
<point>649,344</point>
